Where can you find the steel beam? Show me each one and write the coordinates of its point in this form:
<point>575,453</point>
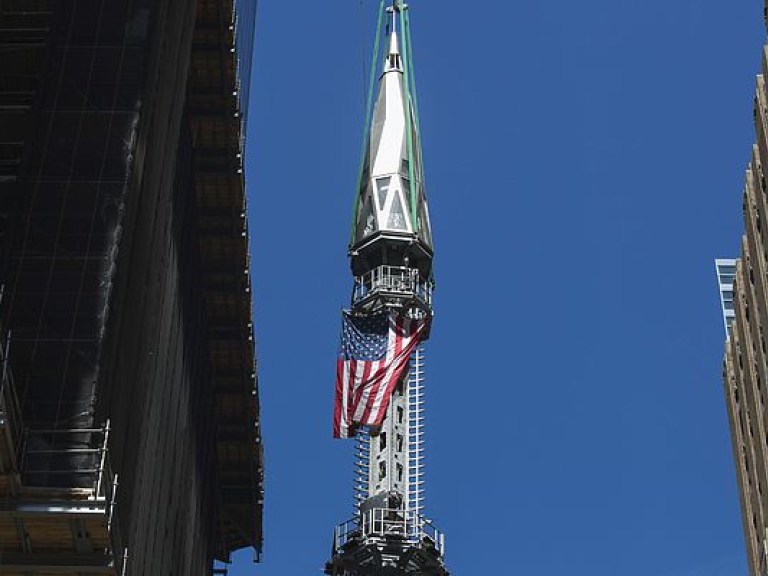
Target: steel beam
<point>14,508</point>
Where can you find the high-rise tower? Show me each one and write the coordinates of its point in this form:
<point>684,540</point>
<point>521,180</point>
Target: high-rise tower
<point>380,377</point>
<point>744,298</point>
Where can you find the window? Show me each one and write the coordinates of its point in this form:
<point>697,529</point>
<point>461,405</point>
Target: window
<point>382,441</point>
<point>399,444</point>
<point>396,215</point>
<point>382,470</point>
<point>366,224</point>
<point>382,187</point>
<point>399,472</point>
<point>400,414</point>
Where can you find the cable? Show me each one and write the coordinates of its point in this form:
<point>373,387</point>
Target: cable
<point>368,106</point>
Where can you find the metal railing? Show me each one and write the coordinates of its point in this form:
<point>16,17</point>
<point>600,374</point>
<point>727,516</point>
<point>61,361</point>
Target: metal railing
<point>61,458</point>
<point>415,460</point>
<point>385,524</point>
<point>10,409</point>
<point>392,280</point>
<point>77,458</point>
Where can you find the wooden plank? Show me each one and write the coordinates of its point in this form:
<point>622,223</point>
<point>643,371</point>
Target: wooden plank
<point>97,530</point>
<point>9,535</point>
<point>49,534</point>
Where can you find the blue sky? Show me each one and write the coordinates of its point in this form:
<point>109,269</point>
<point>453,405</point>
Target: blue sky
<point>584,168</point>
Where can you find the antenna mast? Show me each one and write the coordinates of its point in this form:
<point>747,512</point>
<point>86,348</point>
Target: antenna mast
<point>381,368</point>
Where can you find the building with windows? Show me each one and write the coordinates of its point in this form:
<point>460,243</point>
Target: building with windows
<point>129,414</point>
<point>744,298</point>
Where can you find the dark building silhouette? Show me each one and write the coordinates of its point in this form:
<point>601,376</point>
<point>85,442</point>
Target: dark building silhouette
<point>129,417</point>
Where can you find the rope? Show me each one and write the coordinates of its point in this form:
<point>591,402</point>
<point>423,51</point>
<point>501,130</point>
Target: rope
<point>408,127</point>
<point>407,35</point>
<point>366,124</point>
<point>409,71</point>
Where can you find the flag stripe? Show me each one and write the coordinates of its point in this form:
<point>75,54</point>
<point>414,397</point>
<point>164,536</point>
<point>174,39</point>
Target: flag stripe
<point>389,377</point>
<point>374,354</point>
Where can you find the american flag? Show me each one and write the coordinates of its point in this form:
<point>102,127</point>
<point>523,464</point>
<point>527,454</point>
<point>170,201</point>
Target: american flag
<point>373,354</point>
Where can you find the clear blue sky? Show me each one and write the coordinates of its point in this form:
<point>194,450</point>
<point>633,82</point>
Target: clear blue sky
<point>584,168</point>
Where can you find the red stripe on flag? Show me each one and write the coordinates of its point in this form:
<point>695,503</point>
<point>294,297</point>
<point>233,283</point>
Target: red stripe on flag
<point>395,369</point>
<point>365,388</point>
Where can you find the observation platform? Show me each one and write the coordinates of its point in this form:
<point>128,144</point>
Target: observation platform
<point>387,542</point>
<point>392,287</point>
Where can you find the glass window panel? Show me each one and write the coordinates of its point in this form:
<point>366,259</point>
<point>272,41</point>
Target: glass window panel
<point>366,223</point>
<point>370,218</point>
<point>396,215</point>
<point>382,186</point>
<point>425,231</point>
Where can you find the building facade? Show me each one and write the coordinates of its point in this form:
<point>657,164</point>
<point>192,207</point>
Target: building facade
<point>744,298</point>
<point>129,439</point>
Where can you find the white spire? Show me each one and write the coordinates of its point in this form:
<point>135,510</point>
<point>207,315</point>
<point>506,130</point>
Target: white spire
<point>386,203</point>
<point>393,62</point>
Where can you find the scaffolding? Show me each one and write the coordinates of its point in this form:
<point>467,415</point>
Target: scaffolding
<point>72,89</point>
<point>58,495</point>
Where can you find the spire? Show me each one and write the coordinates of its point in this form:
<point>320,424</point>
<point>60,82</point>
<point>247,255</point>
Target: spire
<point>391,257</point>
<point>393,62</point>
<point>390,207</point>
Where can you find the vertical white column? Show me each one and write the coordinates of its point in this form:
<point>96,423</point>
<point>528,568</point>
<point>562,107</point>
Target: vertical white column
<point>362,466</point>
<point>415,494</point>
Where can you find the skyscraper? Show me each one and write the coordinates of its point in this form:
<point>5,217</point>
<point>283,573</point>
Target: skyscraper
<point>745,366</point>
<point>380,370</point>
<point>129,439</point>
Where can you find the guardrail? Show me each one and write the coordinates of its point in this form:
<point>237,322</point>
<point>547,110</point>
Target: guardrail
<point>10,409</point>
<point>386,524</point>
<point>77,458</point>
<point>392,280</point>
